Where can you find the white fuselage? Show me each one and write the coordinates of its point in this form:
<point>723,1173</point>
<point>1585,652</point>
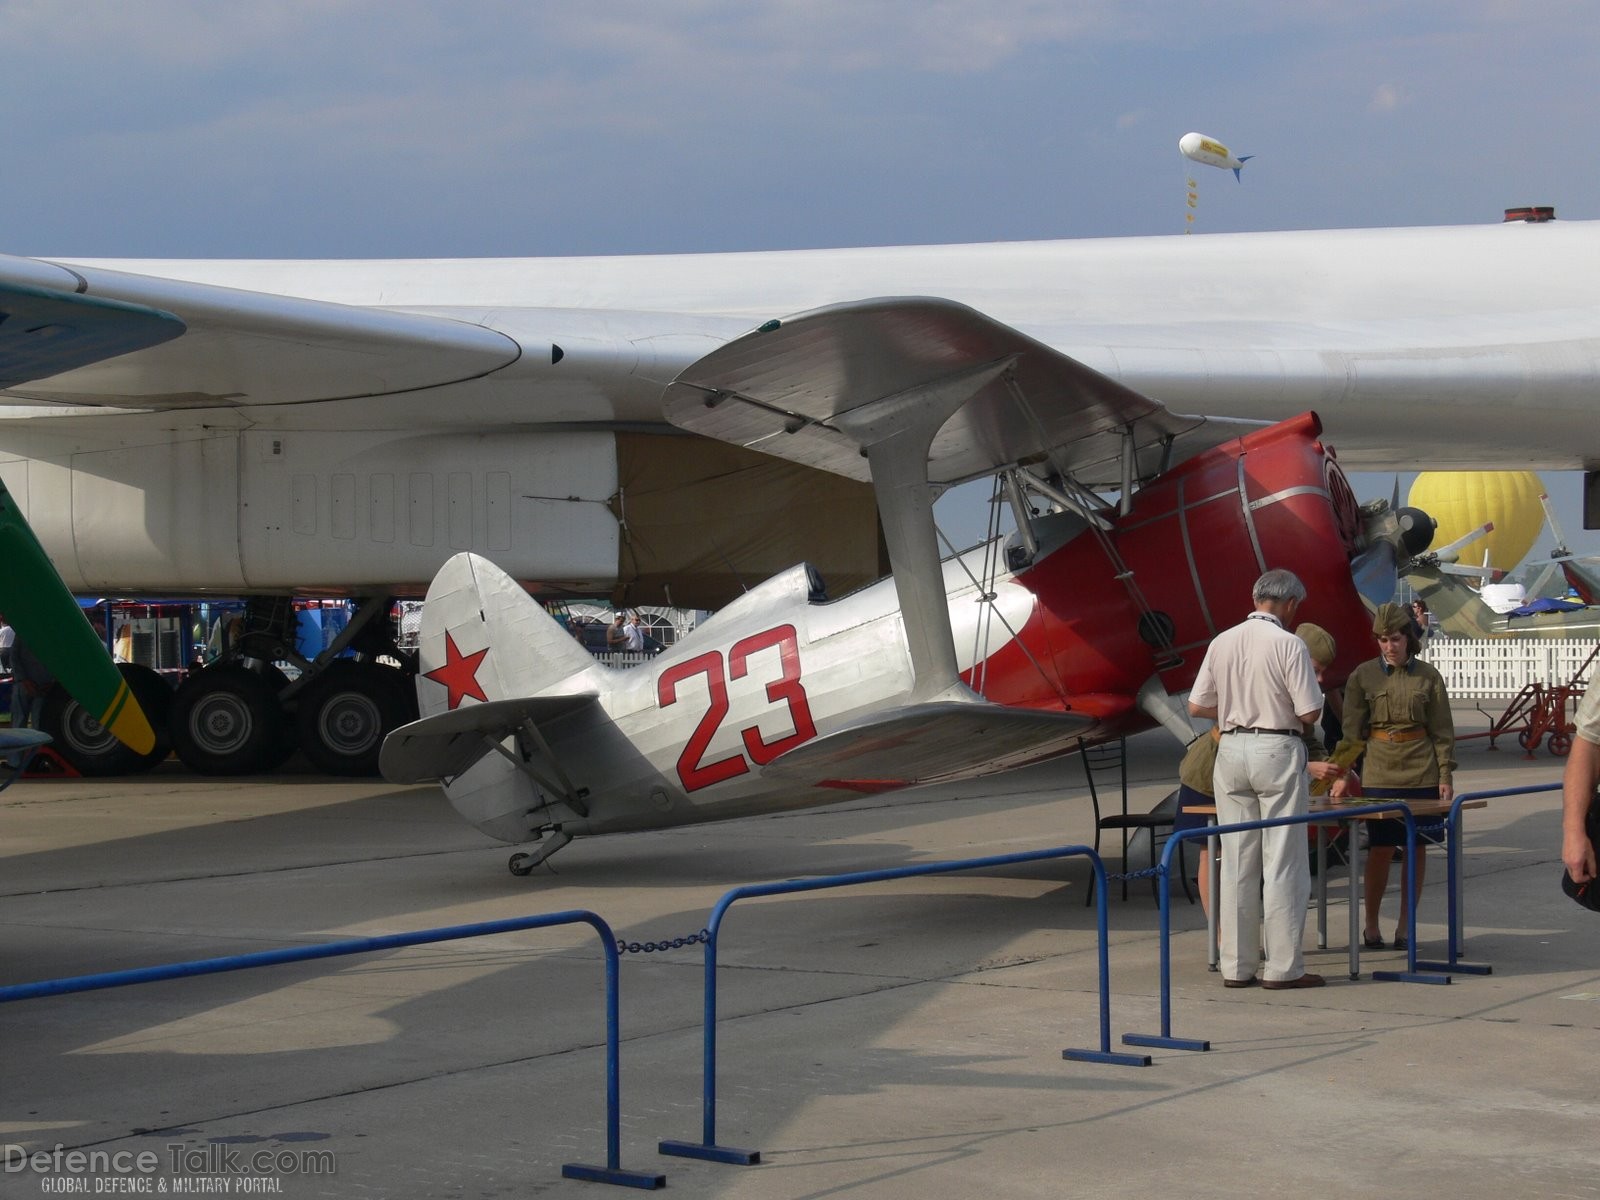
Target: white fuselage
<point>643,766</point>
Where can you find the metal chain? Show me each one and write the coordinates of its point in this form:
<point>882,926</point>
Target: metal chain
<point>694,939</point>
<point>1147,873</point>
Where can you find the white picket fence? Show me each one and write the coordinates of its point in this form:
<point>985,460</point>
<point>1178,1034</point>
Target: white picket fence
<point>1476,668</point>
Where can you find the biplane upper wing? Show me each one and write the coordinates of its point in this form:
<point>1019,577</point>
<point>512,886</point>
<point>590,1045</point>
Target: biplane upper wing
<point>788,388</point>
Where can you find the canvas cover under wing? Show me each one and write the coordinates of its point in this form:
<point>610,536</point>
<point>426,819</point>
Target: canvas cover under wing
<point>929,743</point>
<point>445,745</point>
<point>779,389</point>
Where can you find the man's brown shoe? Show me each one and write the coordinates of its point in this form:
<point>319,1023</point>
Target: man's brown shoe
<point>1251,982</point>
<point>1305,981</point>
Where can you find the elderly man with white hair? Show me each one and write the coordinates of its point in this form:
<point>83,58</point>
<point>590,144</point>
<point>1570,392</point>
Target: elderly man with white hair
<point>1260,686</point>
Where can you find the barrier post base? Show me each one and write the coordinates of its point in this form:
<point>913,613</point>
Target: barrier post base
<point>1410,977</point>
<point>711,1153</point>
<point>1164,1043</point>
<point>1110,1057</point>
<point>1461,967</point>
<point>616,1175</point>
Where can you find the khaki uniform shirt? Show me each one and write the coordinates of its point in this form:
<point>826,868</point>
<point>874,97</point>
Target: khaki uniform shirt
<point>1200,760</point>
<point>1406,698</point>
<point>1587,722</point>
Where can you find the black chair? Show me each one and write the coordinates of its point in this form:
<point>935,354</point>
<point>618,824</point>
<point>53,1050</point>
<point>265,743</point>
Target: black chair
<point>1113,756</point>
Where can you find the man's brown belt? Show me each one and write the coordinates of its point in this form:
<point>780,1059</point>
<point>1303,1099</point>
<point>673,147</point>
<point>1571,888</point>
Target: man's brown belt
<point>1410,733</point>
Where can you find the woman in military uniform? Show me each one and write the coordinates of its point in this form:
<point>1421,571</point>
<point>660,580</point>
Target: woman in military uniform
<point>1396,705</point>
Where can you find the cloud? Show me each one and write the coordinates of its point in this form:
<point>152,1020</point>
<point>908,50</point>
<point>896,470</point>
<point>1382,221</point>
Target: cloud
<point>1386,97</point>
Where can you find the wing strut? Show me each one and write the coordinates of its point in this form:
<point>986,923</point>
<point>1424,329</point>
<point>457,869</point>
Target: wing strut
<point>896,432</point>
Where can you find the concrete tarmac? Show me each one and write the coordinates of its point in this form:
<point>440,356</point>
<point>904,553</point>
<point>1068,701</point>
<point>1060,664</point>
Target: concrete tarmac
<point>898,1039</point>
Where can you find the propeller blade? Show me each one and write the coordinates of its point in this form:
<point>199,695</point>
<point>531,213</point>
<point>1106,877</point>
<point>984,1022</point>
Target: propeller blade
<point>1547,580</point>
<point>1448,553</point>
<point>1555,526</point>
<point>1492,574</point>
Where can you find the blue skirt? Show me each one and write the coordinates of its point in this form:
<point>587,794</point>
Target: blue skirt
<point>1392,832</point>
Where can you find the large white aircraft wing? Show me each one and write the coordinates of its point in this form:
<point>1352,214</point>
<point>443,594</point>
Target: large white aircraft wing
<point>787,388</point>
<point>92,336</point>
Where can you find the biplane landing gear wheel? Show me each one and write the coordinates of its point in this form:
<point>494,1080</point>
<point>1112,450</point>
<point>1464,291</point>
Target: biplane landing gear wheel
<point>523,863</point>
<point>1529,740</point>
<point>1560,744</point>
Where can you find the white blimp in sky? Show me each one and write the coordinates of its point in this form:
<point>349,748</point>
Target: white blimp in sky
<point>1212,153</point>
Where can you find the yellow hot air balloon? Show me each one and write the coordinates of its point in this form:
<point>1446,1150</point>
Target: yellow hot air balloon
<point>1461,501</point>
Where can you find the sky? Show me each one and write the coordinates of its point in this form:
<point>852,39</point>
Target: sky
<point>394,128</point>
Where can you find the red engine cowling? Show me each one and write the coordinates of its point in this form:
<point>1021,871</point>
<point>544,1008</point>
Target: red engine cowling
<point>1148,596</point>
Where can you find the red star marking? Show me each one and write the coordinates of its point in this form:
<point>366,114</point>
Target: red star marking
<point>459,673</point>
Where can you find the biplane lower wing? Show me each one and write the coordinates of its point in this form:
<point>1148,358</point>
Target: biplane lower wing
<point>928,743</point>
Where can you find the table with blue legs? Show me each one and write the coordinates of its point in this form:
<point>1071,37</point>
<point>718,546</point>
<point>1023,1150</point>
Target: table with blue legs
<point>1423,809</point>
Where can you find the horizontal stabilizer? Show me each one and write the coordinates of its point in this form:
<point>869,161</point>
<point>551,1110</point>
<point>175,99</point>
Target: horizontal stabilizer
<point>443,746</point>
<point>928,743</point>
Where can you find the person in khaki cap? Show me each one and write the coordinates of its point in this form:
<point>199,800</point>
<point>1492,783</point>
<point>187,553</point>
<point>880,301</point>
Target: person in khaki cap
<point>1396,706</point>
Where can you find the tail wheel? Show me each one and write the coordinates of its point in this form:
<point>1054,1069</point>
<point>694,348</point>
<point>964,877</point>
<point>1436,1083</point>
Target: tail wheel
<point>226,721</point>
<point>345,715</point>
<point>89,746</point>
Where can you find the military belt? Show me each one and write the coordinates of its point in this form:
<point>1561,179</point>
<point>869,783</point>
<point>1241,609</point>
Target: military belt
<point>1411,733</point>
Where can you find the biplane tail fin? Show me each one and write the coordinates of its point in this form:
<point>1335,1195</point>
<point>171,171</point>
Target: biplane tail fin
<point>485,639</point>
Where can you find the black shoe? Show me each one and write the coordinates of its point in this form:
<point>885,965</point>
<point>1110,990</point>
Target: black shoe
<point>1232,983</point>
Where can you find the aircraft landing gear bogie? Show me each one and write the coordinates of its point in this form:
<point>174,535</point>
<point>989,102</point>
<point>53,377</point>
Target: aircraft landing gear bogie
<point>89,746</point>
<point>227,721</point>
<point>344,715</point>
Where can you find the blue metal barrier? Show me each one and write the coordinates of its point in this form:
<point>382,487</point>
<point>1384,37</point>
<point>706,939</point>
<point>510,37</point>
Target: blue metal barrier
<point>707,1147</point>
<point>1164,1039</point>
<point>1456,939</point>
<point>610,1173</point>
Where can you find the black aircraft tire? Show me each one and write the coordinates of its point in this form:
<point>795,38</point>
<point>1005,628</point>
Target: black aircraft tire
<point>88,746</point>
<point>227,721</point>
<point>345,715</point>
